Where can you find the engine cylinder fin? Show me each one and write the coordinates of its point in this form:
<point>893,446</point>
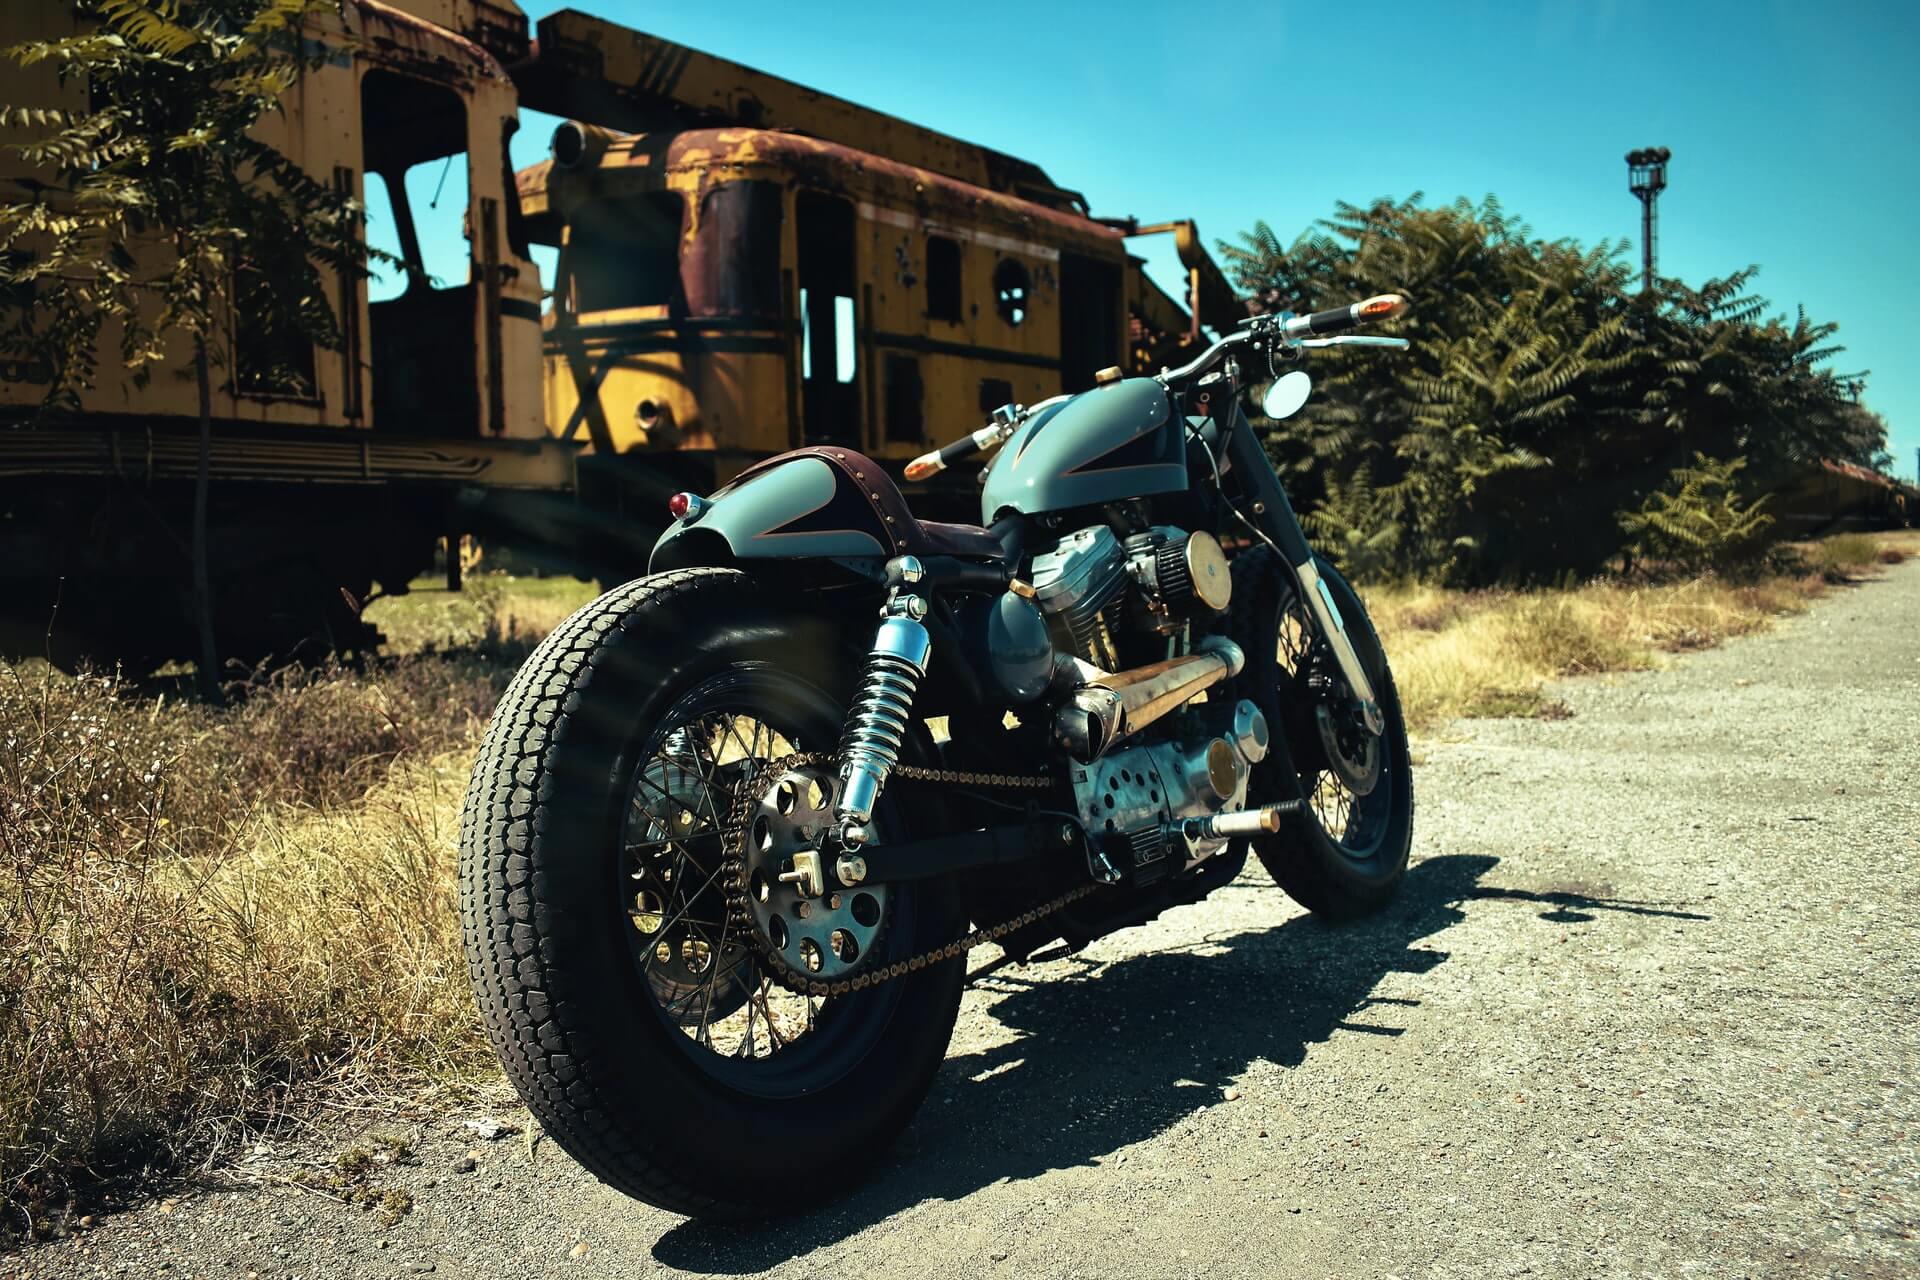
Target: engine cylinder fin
<point>1083,574</point>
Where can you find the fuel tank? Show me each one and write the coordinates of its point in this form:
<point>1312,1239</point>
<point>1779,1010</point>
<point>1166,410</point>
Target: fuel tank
<point>1114,442</point>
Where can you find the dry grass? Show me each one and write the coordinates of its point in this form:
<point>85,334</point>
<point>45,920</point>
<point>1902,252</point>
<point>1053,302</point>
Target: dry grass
<point>211,919</point>
<point>1843,555</point>
<point>202,911</point>
<point>208,917</point>
<point>1493,653</point>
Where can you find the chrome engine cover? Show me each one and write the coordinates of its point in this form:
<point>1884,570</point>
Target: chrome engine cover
<point>1083,574</point>
<point>1131,801</point>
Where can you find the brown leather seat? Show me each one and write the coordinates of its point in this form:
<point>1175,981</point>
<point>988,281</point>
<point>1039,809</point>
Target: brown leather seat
<point>968,540</point>
<point>905,533</point>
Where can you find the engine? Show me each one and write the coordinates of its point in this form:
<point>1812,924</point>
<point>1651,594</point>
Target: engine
<point>1139,801</point>
<point>1091,586</point>
<point>1137,804</point>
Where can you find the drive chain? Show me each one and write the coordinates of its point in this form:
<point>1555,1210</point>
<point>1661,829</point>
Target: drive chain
<point>735,876</point>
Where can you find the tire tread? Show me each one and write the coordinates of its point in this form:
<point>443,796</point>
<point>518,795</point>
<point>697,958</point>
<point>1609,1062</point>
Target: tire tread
<point>521,991</point>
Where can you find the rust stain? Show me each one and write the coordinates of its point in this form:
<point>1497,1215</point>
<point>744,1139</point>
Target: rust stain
<point>697,158</point>
<point>402,30</point>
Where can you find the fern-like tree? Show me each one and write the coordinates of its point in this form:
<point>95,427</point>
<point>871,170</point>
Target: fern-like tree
<point>1543,395</point>
<point>165,218</point>
<point>1513,342</point>
<point>1700,519</point>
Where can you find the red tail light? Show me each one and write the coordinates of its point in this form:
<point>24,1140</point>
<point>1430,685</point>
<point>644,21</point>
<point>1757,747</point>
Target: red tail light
<point>679,504</point>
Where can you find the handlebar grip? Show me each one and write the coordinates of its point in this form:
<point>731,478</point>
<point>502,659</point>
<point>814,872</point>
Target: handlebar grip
<point>1384,307</point>
<point>940,459</point>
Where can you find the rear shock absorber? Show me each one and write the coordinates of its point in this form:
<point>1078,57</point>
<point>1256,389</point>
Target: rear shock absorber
<point>883,707</point>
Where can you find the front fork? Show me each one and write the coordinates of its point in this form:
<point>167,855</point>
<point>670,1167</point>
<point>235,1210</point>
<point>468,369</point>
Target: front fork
<point>1273,514</point>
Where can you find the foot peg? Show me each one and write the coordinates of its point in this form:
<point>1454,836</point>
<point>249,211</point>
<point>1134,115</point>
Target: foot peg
<point>1241,822</point>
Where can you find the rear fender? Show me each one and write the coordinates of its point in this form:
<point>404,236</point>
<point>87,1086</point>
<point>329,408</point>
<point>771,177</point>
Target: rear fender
<point>797,508</point>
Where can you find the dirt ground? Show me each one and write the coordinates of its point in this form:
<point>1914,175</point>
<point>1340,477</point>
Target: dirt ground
<point>1647,1007</point>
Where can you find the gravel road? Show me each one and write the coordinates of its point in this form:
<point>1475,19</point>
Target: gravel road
<point>1647,1007</point>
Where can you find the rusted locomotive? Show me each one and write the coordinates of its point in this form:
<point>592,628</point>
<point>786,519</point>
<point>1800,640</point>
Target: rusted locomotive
<point>744,265</point>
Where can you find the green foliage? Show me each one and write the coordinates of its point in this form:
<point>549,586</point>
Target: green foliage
<point>1542,394</point>
<point>162,210</point>
<point>1355,527</point>
<point>1699,520</point>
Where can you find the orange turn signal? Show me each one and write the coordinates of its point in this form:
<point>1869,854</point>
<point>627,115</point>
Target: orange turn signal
<point>920,469</point>
<point>1384,307</point>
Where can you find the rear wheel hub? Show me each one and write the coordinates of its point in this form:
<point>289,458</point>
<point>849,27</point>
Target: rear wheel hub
<point>829,937</point>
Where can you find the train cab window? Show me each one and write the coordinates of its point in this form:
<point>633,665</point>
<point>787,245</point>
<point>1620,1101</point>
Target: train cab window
<point>268,359</point>
<point>1012,288</point>
<point>829,327</point>
<point>943,278</point>
<point>626,253</point>
<point>420,321</point>
<point>416,184</point>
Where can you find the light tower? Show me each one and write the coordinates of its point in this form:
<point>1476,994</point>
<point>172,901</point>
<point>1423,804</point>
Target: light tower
<point>1647,178</point>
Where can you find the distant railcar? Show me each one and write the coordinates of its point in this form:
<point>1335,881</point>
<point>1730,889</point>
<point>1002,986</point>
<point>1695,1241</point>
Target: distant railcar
<point>724,294</point>
<point>751,266</point>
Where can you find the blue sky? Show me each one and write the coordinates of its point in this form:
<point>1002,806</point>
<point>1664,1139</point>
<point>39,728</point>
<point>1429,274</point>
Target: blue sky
<point>1795,127</point>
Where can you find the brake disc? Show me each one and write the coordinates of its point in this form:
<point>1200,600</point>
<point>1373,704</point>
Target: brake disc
<point>1352,749</point>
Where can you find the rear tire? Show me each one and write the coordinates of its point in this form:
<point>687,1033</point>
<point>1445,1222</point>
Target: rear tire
<point>568,999</point>
<point>1340,854</point>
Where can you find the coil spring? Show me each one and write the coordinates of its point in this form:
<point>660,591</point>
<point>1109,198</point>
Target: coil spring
<point>877,724</point>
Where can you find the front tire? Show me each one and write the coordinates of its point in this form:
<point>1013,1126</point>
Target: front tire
<point>587,966</point>
<point>1344,852</point>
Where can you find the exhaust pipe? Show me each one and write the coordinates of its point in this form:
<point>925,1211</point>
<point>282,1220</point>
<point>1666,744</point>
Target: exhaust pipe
<point>1104,707</point>
<point>580,146</point>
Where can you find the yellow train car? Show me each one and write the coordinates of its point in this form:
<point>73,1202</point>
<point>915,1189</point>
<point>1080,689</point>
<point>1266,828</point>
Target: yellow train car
<point>347,475</point>
<point>728,293</point>
<point>745,265</point>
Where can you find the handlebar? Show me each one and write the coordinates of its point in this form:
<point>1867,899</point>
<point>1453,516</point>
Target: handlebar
<point>1283,328</point>
<point>928,464</point>
<point>1290,330</point>
<point>1006,419</point>
<point>1384,307</point>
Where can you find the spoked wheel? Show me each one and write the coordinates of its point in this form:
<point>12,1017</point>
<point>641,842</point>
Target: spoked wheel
<point>703,969</point>
<point>631,1007</point>
<point>1346,849</point>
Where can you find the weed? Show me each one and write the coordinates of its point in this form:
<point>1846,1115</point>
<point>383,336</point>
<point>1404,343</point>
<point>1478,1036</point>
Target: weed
<point>352,1180</point>
<point>1842,556</point>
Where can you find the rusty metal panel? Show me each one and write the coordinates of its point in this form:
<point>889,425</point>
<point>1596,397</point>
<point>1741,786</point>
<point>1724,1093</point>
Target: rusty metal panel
<point>245,451</point>
<point>399,41</point>
<point>592,69</point>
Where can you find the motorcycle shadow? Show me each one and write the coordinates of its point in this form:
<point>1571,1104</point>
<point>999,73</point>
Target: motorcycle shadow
<point>1095,1065</point>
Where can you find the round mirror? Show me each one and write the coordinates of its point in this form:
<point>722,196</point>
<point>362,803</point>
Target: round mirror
<point>1288,392</point>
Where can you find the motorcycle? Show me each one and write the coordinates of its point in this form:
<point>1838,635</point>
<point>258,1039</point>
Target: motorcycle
<point>736,824</point>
